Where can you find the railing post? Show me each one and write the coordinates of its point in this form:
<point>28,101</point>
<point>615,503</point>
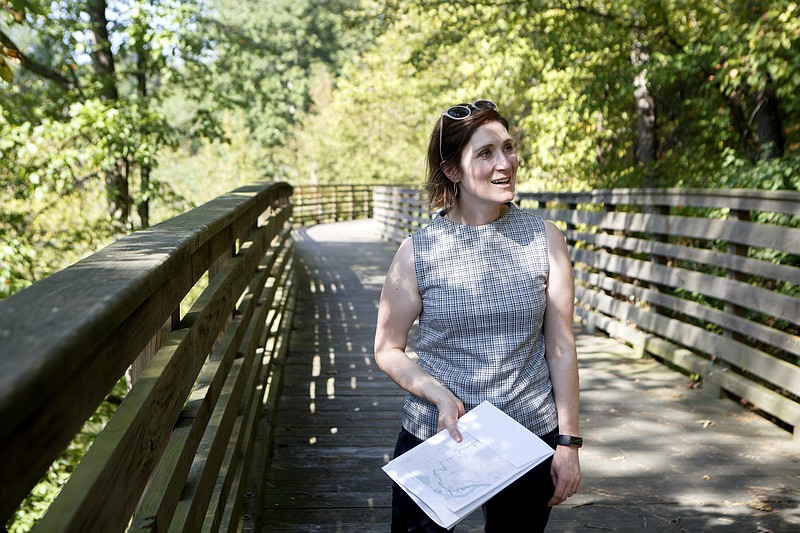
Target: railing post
<point>711,385</point>
<point>571,206</point>
<point>351,197</point>
<point>319,211</point>
<point>739,250</point>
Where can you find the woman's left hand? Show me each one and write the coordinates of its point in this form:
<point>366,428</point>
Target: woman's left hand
<point>566,473</point>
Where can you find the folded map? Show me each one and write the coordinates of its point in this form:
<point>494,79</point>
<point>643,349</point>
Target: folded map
<point>450,479</point>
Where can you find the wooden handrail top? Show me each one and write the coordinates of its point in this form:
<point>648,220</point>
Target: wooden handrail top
<point>67,339</point>
<point>782,201</point>
<point>49,329</point>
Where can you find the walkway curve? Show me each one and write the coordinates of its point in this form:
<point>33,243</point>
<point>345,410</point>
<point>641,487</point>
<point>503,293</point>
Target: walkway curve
<point>659,455</point>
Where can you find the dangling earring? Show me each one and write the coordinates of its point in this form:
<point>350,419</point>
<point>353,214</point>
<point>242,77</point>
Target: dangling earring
<point>455,189</point>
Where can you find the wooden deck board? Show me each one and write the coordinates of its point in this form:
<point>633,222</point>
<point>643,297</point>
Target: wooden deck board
<point>659,455</point>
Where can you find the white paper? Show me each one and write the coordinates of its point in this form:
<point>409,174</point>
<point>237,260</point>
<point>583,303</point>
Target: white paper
<point>450,479</point>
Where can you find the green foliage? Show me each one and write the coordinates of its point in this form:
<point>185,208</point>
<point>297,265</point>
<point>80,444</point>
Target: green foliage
<point>773,174</point>
<point>16,259</point>
<point>197,95</point>
<point>265,54</point>
<point>563,74</point>
<point>51,174</point>
<point>61,154</point>
<point>202,170</point>
<point>369,126</point>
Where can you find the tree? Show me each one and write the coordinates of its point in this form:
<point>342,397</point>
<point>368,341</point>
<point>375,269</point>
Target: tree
<point>85,76</point>
<point>632,93</point>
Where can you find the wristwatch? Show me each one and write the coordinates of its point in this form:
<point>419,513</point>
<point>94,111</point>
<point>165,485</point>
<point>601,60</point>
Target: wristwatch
<point>569,440</point>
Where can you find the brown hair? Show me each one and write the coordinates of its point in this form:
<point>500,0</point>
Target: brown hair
<point>455,136</point>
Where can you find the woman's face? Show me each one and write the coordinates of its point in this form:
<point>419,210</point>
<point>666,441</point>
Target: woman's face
<point>488,166</point>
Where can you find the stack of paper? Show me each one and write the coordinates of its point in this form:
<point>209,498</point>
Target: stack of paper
<point>450,479</point>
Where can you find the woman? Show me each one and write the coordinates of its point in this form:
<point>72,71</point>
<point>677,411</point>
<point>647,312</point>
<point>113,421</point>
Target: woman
<point>493,291</point>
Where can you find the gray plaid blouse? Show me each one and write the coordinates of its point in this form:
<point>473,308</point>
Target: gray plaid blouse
<point>480,330</point>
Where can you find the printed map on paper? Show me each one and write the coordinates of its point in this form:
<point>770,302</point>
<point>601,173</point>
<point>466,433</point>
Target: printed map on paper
<point>458,472</point>
<point>450,479</point>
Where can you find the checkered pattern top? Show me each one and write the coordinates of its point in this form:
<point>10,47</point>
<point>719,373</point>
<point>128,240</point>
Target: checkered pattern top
<point>480,334</point>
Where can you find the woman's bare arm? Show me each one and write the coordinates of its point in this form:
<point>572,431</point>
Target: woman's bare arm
<point>400,305</point>
<point>562,359</point>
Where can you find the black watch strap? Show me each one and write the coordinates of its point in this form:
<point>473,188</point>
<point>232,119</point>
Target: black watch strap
<point>569,440</point>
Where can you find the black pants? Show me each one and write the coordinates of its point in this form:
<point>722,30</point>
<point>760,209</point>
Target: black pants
<point>522,506</point>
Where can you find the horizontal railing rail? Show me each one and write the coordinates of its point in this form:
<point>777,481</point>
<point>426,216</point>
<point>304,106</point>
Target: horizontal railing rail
<point>706,280</point>
<point>177,452</point>
<point>321,204</point>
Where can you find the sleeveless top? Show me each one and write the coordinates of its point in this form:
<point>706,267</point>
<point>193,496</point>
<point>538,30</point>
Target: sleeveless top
<point>480,329</point>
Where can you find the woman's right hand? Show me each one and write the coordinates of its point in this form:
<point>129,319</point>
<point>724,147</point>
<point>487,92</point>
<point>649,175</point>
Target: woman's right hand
<point>450,410</point>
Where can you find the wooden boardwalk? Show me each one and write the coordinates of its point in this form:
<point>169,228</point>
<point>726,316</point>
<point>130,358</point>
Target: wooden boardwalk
<point>659,455</point>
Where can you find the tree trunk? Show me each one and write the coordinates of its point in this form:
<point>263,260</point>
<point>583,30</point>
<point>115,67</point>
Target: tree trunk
<point>741,123</point>
<point>102,57</point>
<point>117,189</point>
<point>118,194</point>
<point>141,86</point>
<point>647,142</point>
<point>766,114</point>
<point>768,123</point>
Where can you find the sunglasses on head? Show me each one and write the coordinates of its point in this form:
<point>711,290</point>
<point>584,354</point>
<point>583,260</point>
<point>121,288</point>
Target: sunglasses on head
<point>460,112</point>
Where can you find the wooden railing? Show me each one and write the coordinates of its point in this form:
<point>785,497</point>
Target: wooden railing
<point>321,204</point>
<point>706,280</point>
<point>399,211</point>
<point>179,449</point>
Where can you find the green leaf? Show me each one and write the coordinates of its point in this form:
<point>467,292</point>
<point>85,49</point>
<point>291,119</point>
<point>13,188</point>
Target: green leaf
<point>5,71</point>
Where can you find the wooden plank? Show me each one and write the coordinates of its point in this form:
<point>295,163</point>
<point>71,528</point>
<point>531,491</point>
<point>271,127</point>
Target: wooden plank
<point>272,346</point>
<point>121,459</point>
<point>617,329</point>
<point>330,203</point>
<point>229,490</point>
<point>747,265</point>
<point>235,501</point>
<point>160,502</point>
<point>730,230</point>
<point>787,202</point>
<point>58,360</point>
<point>763,398</point>
<point>779,339</point>
<point>169,477</point>
<point>215,475</point>
<point>191,510</point>
<point>51,420</point>
<point>228,495</point>
<point>775,371</point>
<point>713,375</point>
<point>264,438</point>
<point>759,299</point>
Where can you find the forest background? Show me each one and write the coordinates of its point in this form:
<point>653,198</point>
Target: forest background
<point>115,115</point>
